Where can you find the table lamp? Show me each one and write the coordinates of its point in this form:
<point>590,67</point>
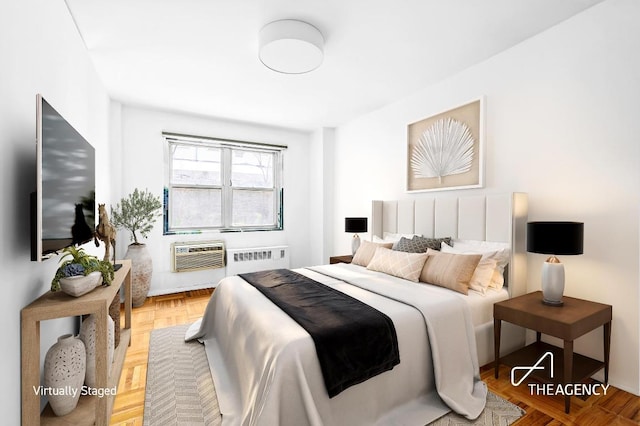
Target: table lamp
<point>554,238</point>
<point>355,225</point>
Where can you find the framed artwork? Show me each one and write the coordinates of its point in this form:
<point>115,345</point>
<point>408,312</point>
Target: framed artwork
<point>446,151</point>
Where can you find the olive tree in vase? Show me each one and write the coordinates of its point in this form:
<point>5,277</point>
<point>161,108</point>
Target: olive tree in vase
<point>137,214</point>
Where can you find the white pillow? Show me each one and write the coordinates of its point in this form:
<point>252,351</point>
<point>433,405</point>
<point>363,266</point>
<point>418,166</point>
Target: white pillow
<point>495,257</point>
<point>479,245</point>
<point>379,240</point>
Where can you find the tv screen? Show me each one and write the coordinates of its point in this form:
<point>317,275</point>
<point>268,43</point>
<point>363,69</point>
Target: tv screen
<point>65,195</point>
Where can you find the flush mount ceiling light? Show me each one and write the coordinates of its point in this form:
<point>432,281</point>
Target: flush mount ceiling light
<point>290,46</point>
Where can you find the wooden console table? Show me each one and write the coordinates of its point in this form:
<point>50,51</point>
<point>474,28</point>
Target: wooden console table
<point>91,409</point>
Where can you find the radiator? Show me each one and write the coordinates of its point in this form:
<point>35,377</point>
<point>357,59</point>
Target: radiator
<point>240,261</point>
<point>196,255</point>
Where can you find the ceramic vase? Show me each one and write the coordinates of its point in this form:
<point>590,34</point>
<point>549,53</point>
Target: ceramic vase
<point>78,285</point>
<point>88,336</point>
<point>64,372</point>
<point>141,271</point>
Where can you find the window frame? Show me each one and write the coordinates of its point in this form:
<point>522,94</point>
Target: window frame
<point>226,146</point>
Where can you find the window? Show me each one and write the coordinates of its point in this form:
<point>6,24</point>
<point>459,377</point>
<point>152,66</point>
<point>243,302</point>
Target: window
<point>216,184</point>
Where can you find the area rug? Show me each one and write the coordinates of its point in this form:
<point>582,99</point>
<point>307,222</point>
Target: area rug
<point>180,391</point>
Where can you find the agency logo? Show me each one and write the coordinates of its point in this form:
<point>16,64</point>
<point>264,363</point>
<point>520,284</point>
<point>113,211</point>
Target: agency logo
<point>546,362</point>
<point>530,369</point>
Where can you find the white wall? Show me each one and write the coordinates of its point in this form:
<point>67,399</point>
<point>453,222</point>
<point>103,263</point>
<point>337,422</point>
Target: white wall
<point>141,165</point>
<point>321,190</point>
<point>41,52</point>
<point>562,125</point>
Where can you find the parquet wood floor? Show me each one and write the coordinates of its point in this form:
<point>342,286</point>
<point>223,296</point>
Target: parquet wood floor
<point>157,312</point>
<point>617,408</point>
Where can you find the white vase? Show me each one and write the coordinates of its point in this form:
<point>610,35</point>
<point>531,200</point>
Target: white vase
<point>64,372</point>
<point>78,285</point>
<point>141,271</point>
<point>88,336</point>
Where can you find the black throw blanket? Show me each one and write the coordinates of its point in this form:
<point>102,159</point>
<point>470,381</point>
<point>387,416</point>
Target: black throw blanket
<point>354,341</point>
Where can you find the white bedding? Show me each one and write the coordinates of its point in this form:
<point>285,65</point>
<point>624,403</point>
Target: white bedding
<point>266,371</point>
<point>481,305</point>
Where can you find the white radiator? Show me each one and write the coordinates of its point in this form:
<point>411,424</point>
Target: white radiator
<point>243,260</point>
<point>197,255</point>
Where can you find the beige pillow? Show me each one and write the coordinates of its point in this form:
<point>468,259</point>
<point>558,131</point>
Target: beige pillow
<point>500,252</point>
<point>398,263</point>
<point>365,252</point>
<point>453,271</point>
<point>483,275</point>
<point>485,270</point>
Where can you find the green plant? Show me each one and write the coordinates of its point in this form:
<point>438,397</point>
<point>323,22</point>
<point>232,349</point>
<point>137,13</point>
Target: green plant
<point>81,263</point>
<point>136,213</point>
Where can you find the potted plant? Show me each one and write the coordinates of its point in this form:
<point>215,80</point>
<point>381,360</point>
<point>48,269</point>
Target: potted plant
<point>137,213</point>
<point>80,272</point>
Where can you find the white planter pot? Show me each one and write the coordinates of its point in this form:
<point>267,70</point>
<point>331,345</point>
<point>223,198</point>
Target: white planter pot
<point>64,371</point>
<point>80,284</point>
<point>141,271</point>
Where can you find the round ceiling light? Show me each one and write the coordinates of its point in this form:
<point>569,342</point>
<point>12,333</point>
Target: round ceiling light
<point>290,46</point>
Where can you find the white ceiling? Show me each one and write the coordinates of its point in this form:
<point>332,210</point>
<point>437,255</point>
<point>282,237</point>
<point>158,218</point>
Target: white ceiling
<point>200,56</point>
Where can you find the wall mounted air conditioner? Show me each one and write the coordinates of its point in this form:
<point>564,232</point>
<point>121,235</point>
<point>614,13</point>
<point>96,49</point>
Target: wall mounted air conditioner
<point>197,255</point>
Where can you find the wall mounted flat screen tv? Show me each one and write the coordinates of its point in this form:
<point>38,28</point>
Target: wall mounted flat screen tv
<point>63,206</point>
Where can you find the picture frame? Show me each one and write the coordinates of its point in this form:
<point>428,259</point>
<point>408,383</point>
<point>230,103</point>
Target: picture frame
<point>446,151</point>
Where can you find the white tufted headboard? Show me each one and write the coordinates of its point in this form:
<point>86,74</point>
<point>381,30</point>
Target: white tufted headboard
<point>496,217</point>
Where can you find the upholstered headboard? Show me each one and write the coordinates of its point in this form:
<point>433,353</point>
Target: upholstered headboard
<point>496,217</point>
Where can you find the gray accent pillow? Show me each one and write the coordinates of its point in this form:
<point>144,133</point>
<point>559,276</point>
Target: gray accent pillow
<point>420,244</point>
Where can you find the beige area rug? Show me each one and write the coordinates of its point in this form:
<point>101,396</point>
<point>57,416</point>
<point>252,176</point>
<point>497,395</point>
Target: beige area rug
<point>180,390</point>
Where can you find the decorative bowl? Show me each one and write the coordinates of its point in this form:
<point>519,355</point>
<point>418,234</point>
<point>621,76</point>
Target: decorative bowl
<point>78,285</point>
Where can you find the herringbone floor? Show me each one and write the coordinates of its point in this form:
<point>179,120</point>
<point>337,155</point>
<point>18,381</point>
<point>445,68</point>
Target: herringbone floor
<point>617,408</point>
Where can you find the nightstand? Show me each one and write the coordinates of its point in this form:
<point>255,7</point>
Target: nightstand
<point>341,259</point>
<point>576,318</point>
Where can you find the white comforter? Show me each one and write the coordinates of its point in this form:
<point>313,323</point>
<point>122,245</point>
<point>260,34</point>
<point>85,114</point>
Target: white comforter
<point>266,371</point>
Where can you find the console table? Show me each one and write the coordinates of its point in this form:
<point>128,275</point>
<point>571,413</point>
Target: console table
<point>91,409</point>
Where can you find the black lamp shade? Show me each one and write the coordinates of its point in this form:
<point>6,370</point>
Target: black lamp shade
<point>355,224</point>
<point>563,238</point>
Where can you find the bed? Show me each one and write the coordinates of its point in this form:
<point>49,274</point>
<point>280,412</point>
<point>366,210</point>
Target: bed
<point>494,218</point>
<point>264,364</point>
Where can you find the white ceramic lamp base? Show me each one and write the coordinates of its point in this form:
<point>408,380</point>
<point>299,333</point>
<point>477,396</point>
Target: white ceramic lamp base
<point>552,283</point>
<point>355,243</point>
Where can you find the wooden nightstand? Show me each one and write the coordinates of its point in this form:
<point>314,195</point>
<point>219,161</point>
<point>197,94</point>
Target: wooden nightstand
<point>576,318</point>
<point>341,259</point>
